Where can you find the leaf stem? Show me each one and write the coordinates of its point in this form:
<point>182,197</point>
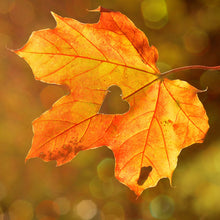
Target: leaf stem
<point>177,70</point>
<point>183,68</point>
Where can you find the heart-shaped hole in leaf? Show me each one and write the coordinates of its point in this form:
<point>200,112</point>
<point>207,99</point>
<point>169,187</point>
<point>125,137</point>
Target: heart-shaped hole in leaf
<point>145,171</point>
<point>113,102</point>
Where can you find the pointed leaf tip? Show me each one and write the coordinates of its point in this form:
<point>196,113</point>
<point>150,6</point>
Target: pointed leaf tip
<point>99,9</point>
<point>55,15</point>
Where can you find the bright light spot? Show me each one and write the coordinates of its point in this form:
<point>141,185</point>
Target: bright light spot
<point>154,10</point>
<point>86,209</point>
<point>154,13</point>
<point>162,207</point>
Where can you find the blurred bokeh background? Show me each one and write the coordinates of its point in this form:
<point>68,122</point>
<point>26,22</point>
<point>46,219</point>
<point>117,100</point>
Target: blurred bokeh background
<point>185,33</point>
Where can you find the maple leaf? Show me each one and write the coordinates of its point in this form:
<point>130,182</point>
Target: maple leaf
<point>164,117</point>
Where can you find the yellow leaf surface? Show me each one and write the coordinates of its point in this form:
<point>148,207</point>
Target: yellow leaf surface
<point>164,117</point>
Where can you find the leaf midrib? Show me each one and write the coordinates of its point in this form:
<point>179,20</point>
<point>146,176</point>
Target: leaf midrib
<point>94,59</point>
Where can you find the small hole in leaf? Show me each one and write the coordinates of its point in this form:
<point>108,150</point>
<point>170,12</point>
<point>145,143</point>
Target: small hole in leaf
<point>145,171</point>
<point>113,102</point>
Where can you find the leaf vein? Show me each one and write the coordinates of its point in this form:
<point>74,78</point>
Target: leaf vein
<point>90,58</point>
<point>155,109</point>
<point>182,109</point>
<point>85,38</point>
<point>51,73</point>
<point>164,141</point>
<point>54,32</point>
<point>134,46</point>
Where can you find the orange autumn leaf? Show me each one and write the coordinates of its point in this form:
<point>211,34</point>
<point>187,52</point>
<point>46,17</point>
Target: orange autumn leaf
<point>165,116</point>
